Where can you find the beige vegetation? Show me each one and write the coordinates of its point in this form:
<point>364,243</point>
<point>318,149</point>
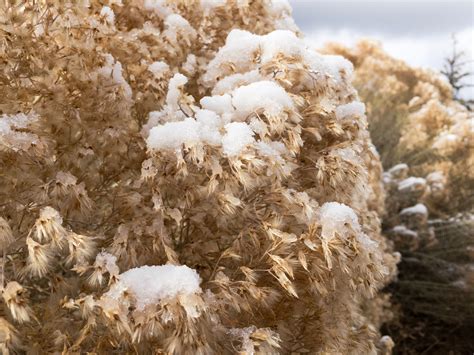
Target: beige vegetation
<point>425,139</point>
<point>190,177</point>
<point>423,126</point>
<point>170,184</point>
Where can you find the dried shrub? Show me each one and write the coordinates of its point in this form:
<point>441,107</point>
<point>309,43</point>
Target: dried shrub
<point>429,215</point>
<point>422,126</point>
<point>184,177</point>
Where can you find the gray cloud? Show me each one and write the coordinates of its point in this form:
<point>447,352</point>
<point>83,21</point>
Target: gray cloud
<point>418,32</point>
<point>388,17</point>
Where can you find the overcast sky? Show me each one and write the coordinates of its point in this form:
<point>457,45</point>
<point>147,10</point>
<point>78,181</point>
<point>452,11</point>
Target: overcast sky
<point>418,31</point>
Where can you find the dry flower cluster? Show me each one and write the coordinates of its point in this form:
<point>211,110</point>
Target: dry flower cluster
<point>422,127</point>
<point>429,215</point>
<point>183,177</point>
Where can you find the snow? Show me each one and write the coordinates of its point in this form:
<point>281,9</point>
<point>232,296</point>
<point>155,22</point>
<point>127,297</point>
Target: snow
<point>281,11</point>
<point>154,118</point>
<point>402,230</point>
<point>158,68</point>
<point>271,149</point>
<point>411,183</point>
<point>210,123</point>
<point>333,217</point>
<point>333,65</point>
<point>398,169</point>
<point>218,112</point>
<point>352,110</point>
<point>386,342</point>
<point>238,136</point>
<point>240,46</point>
<point>218,103</point>
<point>262,95</point>
<point>190,64</point>
<point>113,69</point>
<point>158,6</point>
<point>119,79</point>
<point>242,49</point>
<point>172,97</point>
<point>229,117</point>
<point>396,172</point>
<point>203,129</point>
<point>281,41</point>
<point>445,140</point>
<point>435,176</point>
<point>258,126</point>
<point>241,94</point>
<point>231,82</point>
<point>336,217</point>
<point>347,154</point>
<point>151,284</point>
<point>173,135</point>
<point>436,180</point>
<point>208,5</point>
<point>190,132</point>
<point>417,209</point>
<point>175,23</point>
<point>108,14</point>
<point>12,138</point>
<point>20,120</point>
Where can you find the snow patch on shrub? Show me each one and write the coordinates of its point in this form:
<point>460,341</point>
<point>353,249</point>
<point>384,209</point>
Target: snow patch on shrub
<point>417,209</point>
<point>151,284</point>
<point>238,136</point>
<point>265,95</point>
<point>352,109</point>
